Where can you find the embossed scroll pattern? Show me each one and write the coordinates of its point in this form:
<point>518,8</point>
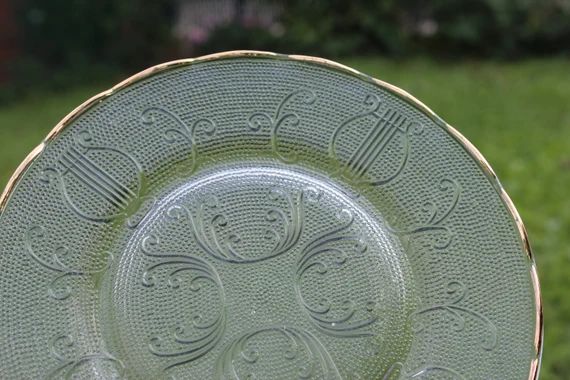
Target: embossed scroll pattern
<point>441,235</point>
<point>188,341</point>
<point>301,348</point>
<point>62,349</point>
<point>181,133</point>
<point>456,291</point>
<point>58,288</point>
<point>259,120</point>
<point>331,250</point>
<point>285,225</point>
<point>118,193</point>
<point>397,371</point>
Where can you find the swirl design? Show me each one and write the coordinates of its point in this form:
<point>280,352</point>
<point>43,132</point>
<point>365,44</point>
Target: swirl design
<point>209,332</point>
<point>420,373</point>
<point>456,291</point>
<point>442,235</point>
<point>274,122</point>
<point>335,244</point>
<point>182,133</point>
<point>385,126</point>
<point>331,250</point>
<point>57,288</point>
<point>286,227</point>
<point>299,345</point>
<point>62,345</point>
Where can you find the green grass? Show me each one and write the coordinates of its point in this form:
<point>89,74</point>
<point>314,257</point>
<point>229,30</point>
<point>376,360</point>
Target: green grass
<point>517,114</point>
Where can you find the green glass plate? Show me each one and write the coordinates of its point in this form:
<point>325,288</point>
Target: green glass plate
<point>249,215</point>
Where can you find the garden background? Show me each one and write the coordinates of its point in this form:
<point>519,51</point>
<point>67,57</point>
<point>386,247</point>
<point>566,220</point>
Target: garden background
<point>497,70</point>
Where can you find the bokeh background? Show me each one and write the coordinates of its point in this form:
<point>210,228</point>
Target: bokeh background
<point>498,70</point>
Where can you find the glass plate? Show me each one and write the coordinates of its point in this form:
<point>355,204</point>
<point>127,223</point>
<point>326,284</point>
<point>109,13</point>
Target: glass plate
<point>252,215</point>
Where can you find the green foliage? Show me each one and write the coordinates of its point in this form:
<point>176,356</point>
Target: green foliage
<point>337,27</point>
<point>237,37</point>
<point>482,28</point>
<point>503,28</point>
<point>65,42</point>
<point>79,40</point>
<point>517,114</point>
<point>67,33</point>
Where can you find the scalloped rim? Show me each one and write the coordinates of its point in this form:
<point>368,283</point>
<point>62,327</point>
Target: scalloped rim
<point>467,145</point>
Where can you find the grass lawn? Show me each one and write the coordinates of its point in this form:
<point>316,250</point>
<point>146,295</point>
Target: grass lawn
<point>517,114</point>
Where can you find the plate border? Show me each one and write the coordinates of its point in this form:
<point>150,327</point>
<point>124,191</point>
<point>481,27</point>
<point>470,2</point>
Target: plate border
<point>402,94</point>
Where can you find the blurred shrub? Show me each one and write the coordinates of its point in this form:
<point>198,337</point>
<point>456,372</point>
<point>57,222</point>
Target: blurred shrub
<point>234,36</point>
<point>501,28</point>
<point>482,28</point>
<point>346,27</point>
<point>63,42</point>
<point>126,33</point>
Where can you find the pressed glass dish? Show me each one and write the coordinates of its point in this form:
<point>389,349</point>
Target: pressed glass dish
<point>252,215</point>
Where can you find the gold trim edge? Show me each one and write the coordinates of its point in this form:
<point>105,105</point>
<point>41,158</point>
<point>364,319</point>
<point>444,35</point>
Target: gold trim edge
<point>410,99</point>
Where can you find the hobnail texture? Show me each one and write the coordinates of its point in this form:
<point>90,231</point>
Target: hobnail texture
<point>261,217</point>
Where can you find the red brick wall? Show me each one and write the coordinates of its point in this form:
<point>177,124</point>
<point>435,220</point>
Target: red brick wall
<point>8,40</point>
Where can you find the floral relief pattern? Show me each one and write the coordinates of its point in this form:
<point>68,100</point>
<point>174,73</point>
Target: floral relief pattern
<point>58,288</point>
<point>333,249</point>
<point>259,120</point>
<point>187,342</point>
<point>397,371</point>
<point>291,219</point>
<point>181,133</point>
<point>301,348</point>
<point>286,226</point>
<point>456,291</point>
<point>441,235</point>
<point>213,233</point>
<point>62,348</point>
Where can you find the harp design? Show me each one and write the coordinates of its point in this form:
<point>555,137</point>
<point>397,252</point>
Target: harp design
<point>380,154</point>
<point>100,183</point>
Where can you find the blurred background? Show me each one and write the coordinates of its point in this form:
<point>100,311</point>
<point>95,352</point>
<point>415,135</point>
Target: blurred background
<point>498,70</point>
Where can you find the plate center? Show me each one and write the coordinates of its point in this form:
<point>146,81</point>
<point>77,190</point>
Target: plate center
<point>258,259</point>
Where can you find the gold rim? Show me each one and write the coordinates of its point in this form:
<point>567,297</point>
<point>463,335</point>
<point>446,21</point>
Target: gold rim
<point>467,145</point>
